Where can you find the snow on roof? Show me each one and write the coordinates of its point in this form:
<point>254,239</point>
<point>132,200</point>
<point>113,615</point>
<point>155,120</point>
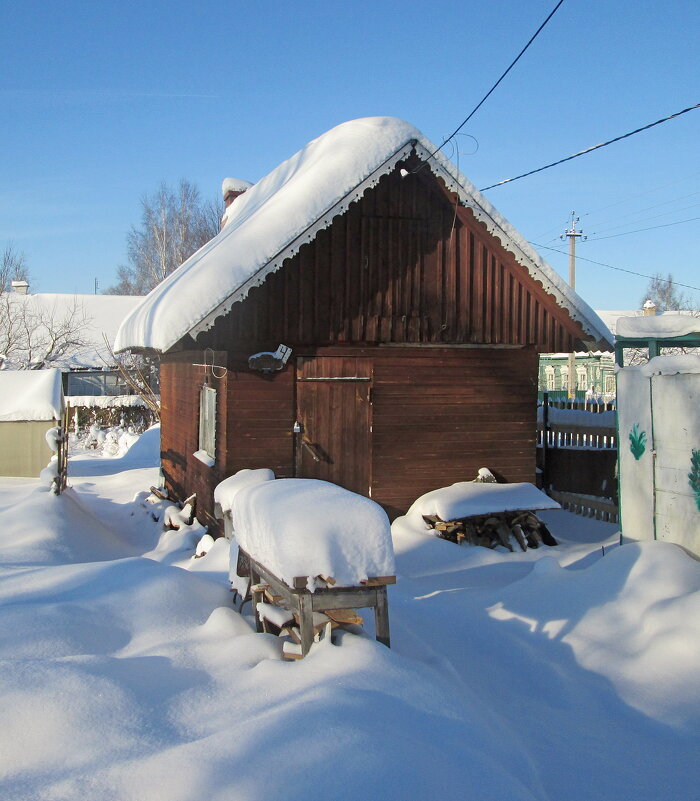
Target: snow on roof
<point>234,185</point>
<point>611,318</point>
<point>665,326</point>
<point>467,498</point>
<point>669,365</point>
<point>289,206</point>
<point>30,395</point>
<point>105,401</point>
<point>103,314</point>
<point>305,527</point>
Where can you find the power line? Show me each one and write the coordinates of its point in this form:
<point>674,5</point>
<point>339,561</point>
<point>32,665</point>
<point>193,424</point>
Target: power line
<point>607,227</point>
<point>638,194</point>
<point>619,269</point>
<point>639,230</point>
<point>492,89</point>
<point>592,148</point>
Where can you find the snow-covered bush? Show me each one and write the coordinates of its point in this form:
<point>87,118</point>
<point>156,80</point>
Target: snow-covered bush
<point>110,442</point>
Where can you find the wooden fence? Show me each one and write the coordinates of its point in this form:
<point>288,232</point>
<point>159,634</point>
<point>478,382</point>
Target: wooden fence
<point>577,458</point>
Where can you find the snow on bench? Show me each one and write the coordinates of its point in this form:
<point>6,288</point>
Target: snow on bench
<point>468,498</point>
<point>226,491</point>
<point>305,527</point>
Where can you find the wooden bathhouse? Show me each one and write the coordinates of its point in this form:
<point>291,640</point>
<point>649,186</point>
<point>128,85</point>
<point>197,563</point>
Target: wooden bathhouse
<point>364,316</point>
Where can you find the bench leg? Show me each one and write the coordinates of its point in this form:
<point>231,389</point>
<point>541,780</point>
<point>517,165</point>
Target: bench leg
<point>381,617</point>
<point>306,621</point>
<point>255,597</point>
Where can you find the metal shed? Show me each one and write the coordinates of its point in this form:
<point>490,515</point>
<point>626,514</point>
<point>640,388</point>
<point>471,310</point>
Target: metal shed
<point>31,402</point>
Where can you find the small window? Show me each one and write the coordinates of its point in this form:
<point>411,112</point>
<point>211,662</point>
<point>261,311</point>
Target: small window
<point>564,378</point>
<point>207,421</point>
<point>550,378</point>
<point>582,378</point>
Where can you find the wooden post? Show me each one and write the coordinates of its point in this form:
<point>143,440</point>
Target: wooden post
<point>381,618</point>
<point>255,597</point>
<point>545,440</point>
<point>306,621</point>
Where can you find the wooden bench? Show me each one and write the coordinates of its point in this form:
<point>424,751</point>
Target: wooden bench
<point>302,603</point>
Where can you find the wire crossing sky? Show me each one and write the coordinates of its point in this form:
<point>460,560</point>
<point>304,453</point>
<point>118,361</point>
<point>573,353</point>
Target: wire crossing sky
<point>103,101</point>
<point>592,148</point>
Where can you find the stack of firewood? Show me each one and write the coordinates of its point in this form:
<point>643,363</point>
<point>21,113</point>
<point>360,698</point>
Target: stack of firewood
<point>277,619</point>
<point>490,531</point>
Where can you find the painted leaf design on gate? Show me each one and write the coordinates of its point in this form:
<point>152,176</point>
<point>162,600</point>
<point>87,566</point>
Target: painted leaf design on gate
<point>694,476</point>
<point>638,441</point>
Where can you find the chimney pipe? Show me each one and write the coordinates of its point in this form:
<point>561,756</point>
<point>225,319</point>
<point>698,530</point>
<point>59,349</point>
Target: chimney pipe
<point>231,188</point>
<point>20,287</point>
<point>649,308</point>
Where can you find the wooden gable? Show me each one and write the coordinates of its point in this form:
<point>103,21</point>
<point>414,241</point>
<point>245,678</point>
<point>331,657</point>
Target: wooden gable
<point>405,264</point>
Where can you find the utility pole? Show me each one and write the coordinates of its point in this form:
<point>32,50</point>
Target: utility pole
<point>572,234</point>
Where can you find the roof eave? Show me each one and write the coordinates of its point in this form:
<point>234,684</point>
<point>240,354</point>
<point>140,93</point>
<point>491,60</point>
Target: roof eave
<point>308,235</point>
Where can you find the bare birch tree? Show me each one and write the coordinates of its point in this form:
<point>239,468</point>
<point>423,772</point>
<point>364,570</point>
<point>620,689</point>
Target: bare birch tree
<point>174,224</point>
<point>13,267</point>
<point>34,336</point>
<point>666,295</point>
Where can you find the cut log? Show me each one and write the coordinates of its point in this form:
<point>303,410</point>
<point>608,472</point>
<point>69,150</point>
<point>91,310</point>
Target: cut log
<point>345,617</point>
<point>517,532</point>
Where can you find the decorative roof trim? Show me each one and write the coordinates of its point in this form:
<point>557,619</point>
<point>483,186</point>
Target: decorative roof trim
<point>323,222</point>
<point>510,239</point>
<point>469,197</point>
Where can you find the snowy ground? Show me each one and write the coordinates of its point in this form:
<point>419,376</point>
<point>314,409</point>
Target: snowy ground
<point>557,674</point>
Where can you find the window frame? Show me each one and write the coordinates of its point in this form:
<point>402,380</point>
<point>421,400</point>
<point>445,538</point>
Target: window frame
<point>207,421</point>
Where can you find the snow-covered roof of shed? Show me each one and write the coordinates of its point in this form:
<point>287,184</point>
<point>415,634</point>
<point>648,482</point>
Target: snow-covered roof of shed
<point>288,207</point>
<point>30,395</point>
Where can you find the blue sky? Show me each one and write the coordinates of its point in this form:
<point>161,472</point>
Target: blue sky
<point>101,101</point>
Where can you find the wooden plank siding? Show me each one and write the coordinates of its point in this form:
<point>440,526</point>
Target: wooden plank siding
<point>181,381</point>
<point>439,317</point>
<point>401,265</point>
<point>440,414</point>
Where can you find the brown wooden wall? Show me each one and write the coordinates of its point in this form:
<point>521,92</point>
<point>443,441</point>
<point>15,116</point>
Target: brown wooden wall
<point>181,381</point>
<point>437,415</point>
<point>261,417</point>
<point>402,265</point>
<point>397,278</point>
<point>440,415</point>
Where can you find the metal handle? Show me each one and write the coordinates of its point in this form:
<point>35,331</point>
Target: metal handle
<point>311,449</point>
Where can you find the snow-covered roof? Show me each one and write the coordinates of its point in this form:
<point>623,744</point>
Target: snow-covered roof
<point>611,317</point>
<point>670,365</point>
<point>664,326</point>
<point>288,207</point>
<point>103,315</point>
<point>30,395</point>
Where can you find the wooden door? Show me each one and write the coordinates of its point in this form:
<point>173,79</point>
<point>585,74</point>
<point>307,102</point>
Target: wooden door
<point>334,418</point>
